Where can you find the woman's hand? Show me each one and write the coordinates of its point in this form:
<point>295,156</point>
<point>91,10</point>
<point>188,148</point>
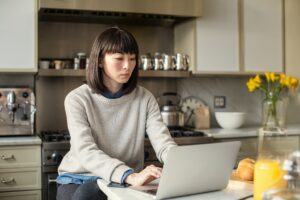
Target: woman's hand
<point>147,175</point>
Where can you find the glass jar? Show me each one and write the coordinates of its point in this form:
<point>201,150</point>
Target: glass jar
<point>82,60</point>
<point>273,149</point>
<point>291,167</point>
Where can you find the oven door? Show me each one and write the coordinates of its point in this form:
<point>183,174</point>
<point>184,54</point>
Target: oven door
<point>49,186</point>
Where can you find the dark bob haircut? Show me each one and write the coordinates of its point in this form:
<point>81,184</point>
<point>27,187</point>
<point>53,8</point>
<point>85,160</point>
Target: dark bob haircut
<point>112,40</point>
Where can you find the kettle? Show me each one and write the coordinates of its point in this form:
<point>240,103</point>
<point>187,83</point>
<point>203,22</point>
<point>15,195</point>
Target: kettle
<point>171,112</point>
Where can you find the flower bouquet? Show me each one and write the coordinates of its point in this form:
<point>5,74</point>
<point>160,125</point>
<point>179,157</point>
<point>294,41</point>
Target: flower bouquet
<point>272,86</point>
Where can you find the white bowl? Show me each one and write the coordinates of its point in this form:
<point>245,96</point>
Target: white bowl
<point>230,120</point>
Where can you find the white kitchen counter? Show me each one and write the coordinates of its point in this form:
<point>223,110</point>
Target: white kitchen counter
<point>19,140</point>
<point>234,191</point>
<point>219,133</point>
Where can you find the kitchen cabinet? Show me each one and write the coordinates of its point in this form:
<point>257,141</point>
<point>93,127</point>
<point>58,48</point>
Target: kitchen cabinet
<point>20,172</point>
<point>234,37</point>
<point>18,39</point>
<point>292,39</point>
<point>22,195</point>
<point>217,37</point>
<point>263,35</point>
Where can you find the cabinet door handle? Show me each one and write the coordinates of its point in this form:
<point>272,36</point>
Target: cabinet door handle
<point>11,180</point>
<point>3,157</point>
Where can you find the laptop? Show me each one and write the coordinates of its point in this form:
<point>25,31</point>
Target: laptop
<point>194,169</point>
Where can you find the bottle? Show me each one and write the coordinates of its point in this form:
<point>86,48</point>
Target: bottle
<point>291,167</point>
<point>272,151</point>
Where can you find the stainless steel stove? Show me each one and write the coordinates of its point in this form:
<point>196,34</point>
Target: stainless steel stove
<point>55,145</point>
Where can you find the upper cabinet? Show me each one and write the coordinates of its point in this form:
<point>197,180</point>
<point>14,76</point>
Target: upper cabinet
<point>234,37</point>
<point>263,35</point>
<point>18,39</point>
<point>217,37</point>
<point>292,37</point>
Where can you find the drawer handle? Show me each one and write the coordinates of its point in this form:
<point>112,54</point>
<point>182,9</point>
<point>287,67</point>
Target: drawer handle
<point>3,157</point>
<point>51,180</point>
<point>11,180</point>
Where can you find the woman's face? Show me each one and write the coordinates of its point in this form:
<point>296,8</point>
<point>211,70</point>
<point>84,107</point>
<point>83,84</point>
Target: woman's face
<point>118,67</point>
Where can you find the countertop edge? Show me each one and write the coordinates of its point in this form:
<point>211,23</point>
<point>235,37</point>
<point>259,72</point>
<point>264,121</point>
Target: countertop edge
<point>20,140</point>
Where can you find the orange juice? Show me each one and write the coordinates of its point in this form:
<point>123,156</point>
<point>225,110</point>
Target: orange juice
<point>267,174</point>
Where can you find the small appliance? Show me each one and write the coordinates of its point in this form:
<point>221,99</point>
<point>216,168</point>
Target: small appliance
<point>17,109</point>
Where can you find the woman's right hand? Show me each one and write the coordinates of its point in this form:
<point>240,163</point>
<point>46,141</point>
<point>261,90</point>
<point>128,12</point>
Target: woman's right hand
<point>147,175</point>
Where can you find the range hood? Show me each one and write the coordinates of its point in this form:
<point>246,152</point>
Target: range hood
<point>148,12</point>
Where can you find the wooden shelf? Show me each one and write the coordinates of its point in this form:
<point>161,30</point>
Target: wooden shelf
<point>142,73</point>
<point>165,74</point>
<point>61,72</point>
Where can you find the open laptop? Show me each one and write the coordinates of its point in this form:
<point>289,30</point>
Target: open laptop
<point>194,169</point>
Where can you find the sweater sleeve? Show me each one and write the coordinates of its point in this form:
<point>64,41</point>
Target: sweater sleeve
<point>157,131</point>
<point>90,157</point>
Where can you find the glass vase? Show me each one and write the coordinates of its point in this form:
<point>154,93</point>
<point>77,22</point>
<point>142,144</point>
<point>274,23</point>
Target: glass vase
<point>274,114</point>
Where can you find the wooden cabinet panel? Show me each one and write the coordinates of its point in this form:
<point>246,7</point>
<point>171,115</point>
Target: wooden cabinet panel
<point>292,39</point>
<point>20,179</point>
<point>18,39</point>
<point>217,37</point>
<point>20,156</point>
<point>263,35</point>
<point>23,195</point>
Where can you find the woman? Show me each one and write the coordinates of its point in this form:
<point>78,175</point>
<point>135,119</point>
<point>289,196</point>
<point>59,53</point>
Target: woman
<point>107,120</point>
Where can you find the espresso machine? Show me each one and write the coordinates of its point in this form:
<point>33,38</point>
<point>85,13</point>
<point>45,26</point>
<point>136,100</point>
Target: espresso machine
<point>17,111</point>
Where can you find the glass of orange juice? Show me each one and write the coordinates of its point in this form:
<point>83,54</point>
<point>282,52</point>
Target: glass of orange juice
<point>268,174</point>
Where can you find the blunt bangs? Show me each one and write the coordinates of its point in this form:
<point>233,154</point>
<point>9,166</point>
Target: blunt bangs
<point>121,43</point>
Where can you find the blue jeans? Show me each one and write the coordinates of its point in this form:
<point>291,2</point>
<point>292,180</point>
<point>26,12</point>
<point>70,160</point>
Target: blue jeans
<point>86,191</point>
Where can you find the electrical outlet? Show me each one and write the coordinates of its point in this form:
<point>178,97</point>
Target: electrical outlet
<point>219,101</point>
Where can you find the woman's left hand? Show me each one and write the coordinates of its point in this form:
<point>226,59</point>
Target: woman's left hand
<point>147,175</point>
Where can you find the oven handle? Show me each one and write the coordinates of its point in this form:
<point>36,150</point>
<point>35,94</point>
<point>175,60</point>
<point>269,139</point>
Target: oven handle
<point>51,180</point>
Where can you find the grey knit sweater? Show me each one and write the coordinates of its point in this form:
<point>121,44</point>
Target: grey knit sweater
<point>107,135</point>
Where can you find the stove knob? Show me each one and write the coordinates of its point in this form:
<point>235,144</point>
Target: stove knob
<point>56,157</point>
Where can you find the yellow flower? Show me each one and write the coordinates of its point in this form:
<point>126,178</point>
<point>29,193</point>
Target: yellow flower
<point>294,82</point>
<point>253,83</point>
<point>273,77</point>
<point>273,84</point>
<point>257,79</point>
<point>288,82</point>
<point>268,76</point>
<point>251,87</point>
<point>282,79</point>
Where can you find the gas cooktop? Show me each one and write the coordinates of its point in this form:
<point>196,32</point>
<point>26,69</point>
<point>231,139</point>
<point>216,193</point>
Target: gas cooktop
<point>55,136</point>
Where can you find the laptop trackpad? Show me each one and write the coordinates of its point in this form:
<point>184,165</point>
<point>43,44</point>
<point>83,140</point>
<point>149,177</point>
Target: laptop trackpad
<point>150,188</point>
